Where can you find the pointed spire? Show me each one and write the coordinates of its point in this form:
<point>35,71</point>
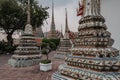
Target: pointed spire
<point>61,32</point>
<point>90,7</point>
<point>66,22</point>
<point>39,32</point>
<point>61,28</point>
<point>83,2</point>
<point>28,12</point>
<point>66,35</point>
<point>99,2</point>
<point>28,27</point>
<point>52,21</point>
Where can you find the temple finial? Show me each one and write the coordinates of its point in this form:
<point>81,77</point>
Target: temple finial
<point>61,28</point>
<point>28,12</point>
<point>90,7</point>
<point>99,2</point>
<point>28,27</point>
<point>66,35</point>
<point>52,21</point>
<point>66,21</point>
<point>61,33</point>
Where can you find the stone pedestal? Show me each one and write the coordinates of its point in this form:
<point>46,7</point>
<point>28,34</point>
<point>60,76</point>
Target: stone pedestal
<point>24,61</point>
<point>58,76</point>
<point>64,49</point>
<point>27,53</point>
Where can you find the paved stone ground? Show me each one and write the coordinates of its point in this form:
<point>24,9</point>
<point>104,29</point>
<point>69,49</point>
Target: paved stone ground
<point>29,73</point>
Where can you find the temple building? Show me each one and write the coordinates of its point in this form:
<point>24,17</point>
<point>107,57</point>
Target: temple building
<point>53,33</point>
<point>39,36</point>
<point>65,43</point>
<point>39,32</point>
<point>93,57</point>
<point>27,53</point>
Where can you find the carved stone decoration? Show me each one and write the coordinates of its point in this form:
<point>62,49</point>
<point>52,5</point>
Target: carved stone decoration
<point>28,29</point>
<point>27,53</point>
<point>65,43</point>
<point>92,57</point>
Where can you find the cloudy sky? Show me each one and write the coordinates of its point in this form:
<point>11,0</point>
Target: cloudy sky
<point>110,10</point>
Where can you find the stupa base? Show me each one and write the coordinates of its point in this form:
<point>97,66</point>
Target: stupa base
<point>61,55</point>
<point>67,72</point>
<point>58,76</point>
<point>25,61</point>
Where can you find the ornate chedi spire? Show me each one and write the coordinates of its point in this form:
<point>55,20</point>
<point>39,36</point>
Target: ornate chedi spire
<point>66,22</point>
<point>65,42</point>
<point>39,32</point>
<point>67,31</point>
<point>92,7</point>
<point>27,53</point>
<point>28,13</point>
<point>52,21</point>
<point>93,57</point>
<point>52,33</point>
<point>28,27</point>
<point>61,33</point>
<point>62,30</point>
<point>68,34</point>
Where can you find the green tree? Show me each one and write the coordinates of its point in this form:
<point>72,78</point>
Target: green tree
<point>45,51</point>
<point>12,18</point>
<point>38,13</point>
<point>53,43</point>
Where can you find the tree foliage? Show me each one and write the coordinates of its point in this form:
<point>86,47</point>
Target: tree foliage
<point>45,51</point>
<point>38,13</point>
<point>4,48</point>
<point>12,18</point>
<point>53,43</point>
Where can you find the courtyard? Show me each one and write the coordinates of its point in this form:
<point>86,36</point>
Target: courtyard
<point>28,73</point>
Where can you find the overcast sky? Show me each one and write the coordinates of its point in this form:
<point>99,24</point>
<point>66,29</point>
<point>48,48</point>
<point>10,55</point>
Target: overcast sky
<point>110,10</point>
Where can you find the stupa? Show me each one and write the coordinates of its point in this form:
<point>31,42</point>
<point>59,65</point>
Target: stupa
<point>27,53</point>
<point>39,36</point>
<point>93,57</point>
<point>61,33</point>
<point>65,42</point>
<point>39,32</point>
<point>53,33</point>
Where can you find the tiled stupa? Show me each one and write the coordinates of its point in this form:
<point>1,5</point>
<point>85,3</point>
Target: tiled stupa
<point>27,53</point>
<point>93,57</point>
<point>65,43</point>
<point>39,32</point>
<point>39,36</point>
<point>53,33</point>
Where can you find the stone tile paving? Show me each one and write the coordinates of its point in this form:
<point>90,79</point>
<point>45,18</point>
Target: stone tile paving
<point>28,73</point>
